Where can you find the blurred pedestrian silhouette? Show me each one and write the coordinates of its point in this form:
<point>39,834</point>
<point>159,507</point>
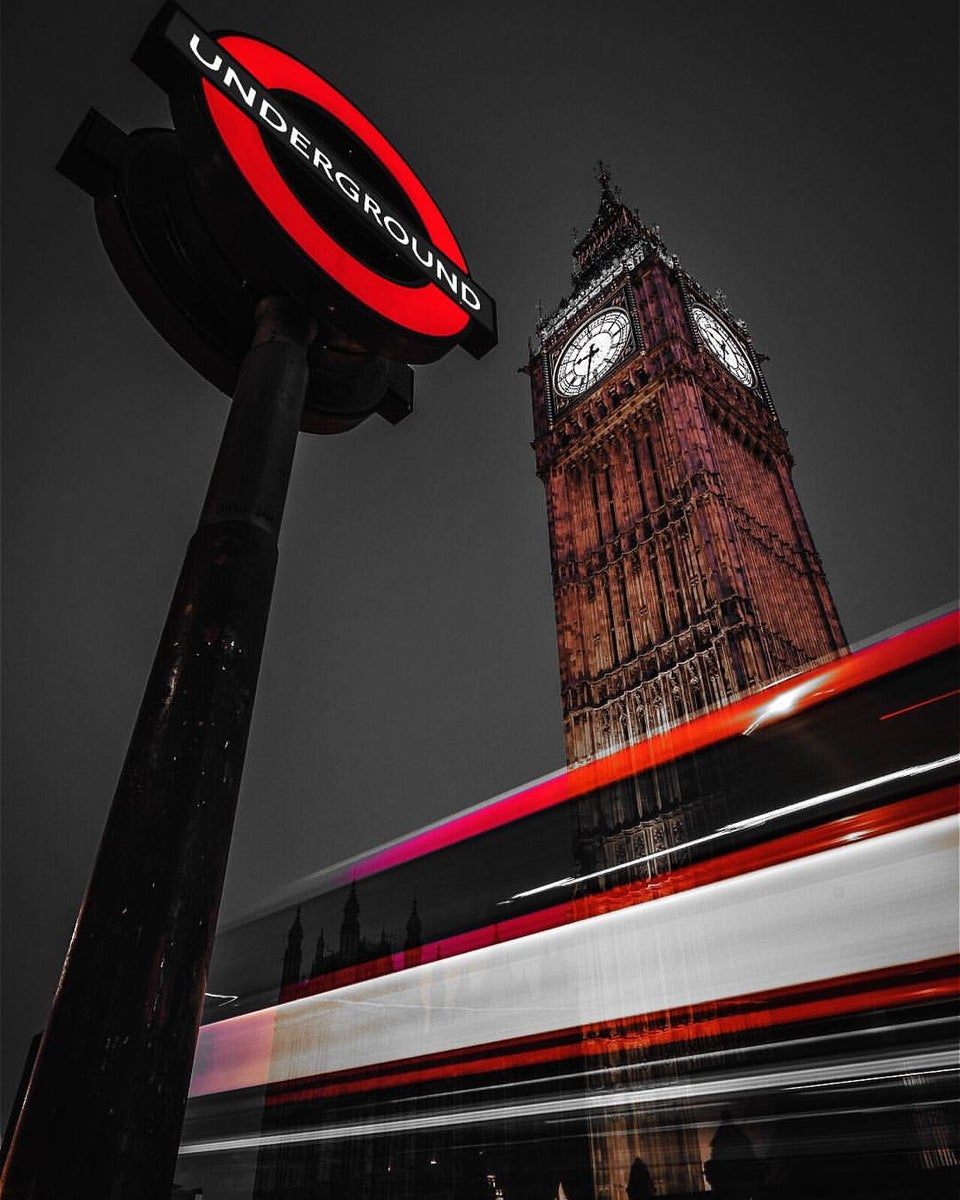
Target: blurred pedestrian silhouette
<point>733,1170</point>
<point>640,1185</point>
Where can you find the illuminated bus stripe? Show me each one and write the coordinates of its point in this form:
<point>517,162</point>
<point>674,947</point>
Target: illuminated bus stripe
<point>869,905</point>
<point>839,832</point>
<point>871,991</point>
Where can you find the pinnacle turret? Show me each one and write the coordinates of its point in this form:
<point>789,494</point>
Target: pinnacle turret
<point>292,958</point>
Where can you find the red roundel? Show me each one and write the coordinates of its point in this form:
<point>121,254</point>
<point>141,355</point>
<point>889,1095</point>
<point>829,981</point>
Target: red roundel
<point>422,309</point>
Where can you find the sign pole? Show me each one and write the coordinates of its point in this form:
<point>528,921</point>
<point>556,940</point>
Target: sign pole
<point>104,1108</point>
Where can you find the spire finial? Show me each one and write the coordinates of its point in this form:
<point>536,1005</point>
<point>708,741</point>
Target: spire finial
<point>601,173</point>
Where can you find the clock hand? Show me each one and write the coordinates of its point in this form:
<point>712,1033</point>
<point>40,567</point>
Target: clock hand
<point>589,357</point>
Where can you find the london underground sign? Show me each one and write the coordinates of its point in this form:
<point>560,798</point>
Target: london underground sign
<point>261,125</point>
<point>233,97</point>
<point>273,183</point>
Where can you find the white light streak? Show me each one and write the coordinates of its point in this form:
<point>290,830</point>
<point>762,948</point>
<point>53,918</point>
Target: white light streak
<point>785,702</point>
<point>747,823</point>
<point>840,793</point>
<point>835,1074</point>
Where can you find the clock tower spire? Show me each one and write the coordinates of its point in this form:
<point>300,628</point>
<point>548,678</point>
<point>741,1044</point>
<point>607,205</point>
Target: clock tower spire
<point>613,229</point>
<point>683,568</point>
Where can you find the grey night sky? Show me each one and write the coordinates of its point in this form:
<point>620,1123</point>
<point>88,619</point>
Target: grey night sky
<point>799,156</point>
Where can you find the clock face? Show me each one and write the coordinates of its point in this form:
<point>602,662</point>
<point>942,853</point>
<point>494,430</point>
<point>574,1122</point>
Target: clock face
<point>723,345</point>
<point>591,352</point>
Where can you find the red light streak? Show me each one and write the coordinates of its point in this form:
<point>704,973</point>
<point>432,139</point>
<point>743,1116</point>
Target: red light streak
<point>921,704</point>
<point>833,680</point>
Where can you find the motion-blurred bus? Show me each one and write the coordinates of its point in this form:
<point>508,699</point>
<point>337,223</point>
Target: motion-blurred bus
<point>724,959</point>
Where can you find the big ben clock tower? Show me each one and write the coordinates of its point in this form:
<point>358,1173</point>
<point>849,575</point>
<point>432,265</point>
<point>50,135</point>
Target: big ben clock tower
<point>683,569</point>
